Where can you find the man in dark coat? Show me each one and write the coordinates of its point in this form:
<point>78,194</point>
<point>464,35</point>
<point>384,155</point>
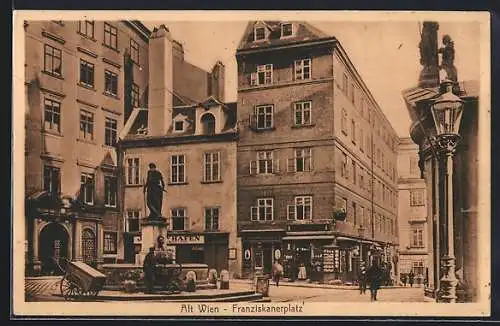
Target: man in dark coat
<point>362,278</point>
<point>411,278</point>
<point>149,270</point>
<point>374,277</point>
<point>154,187</point>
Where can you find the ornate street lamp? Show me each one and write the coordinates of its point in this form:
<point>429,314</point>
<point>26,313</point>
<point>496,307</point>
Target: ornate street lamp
<point>447,113</point>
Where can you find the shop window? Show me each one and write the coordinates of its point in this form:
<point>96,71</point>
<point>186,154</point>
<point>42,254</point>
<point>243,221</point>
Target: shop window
<point>418,267</point>
<point>110,242</point>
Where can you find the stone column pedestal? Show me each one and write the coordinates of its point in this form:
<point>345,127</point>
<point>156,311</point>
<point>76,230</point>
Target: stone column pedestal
<point>150,230</point>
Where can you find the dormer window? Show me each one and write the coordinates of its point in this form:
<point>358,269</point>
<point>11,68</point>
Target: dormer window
<point>179,126</point>
<point>286,29</point>
<point>259,33</point>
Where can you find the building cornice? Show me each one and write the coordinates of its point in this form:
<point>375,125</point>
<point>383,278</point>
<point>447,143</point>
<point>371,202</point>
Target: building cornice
<point>145,141</point>
<point>331,40</point>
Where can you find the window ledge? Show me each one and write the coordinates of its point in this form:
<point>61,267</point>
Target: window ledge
<point>111,95</point>
<point>51,74</point>
<point>208,182</point>
<point>177,183</point>
<point>111,208</point>
<point>91,88</point>
<point>309,125</point>
<point>52,133</point>
<point>86,141</point>
<point>110,47</point>
<point>87,37</point>
<point>263,129</point>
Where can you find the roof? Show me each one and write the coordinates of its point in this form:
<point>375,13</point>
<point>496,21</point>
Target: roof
<point>468,89</point>
<point>303,32</point>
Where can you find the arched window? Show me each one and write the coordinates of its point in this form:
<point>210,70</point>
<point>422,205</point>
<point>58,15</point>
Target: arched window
<point>208,122</point>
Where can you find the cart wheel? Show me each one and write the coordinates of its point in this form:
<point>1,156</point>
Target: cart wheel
<point>69,289</point>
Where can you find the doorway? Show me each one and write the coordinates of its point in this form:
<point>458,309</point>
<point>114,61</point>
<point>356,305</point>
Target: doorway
<point>89,247</point>
<point>53,248</point>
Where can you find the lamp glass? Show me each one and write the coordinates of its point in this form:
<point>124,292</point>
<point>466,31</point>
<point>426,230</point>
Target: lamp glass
<point>447,112</point>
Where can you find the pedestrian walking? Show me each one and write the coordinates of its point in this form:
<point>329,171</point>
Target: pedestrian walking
<point>374,277</point>
<point>404,279</point>
<point>411,278</point>
<point>149,270</point>
<point>277,272</point>
<point>362,278</point>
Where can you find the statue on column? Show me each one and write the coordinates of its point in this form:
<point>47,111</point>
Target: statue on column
<point>429,76</point>
<point>153,190</point>
<point>447,57</point>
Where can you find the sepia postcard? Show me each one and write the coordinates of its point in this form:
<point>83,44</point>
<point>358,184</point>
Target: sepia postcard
<point>251,164</point>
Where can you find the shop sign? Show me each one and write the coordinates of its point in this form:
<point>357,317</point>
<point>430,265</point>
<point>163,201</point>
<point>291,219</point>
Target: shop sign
<point>277,254</point>
<point>137,239</point>
<point>184,239</point>
<point>247,254</point>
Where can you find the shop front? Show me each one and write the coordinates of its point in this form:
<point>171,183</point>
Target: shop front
<point>260,250</point>
<point>186,248</point>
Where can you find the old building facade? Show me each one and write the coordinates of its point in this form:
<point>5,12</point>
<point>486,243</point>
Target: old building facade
<point>190,135</point>
<point>80,78</point>
<point>413,234</point>
<point>312,141</point>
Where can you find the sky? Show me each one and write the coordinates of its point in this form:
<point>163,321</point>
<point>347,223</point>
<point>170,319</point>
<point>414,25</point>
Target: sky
<point>385,53</point>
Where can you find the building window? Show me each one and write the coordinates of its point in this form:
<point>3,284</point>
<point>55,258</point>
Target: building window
<point>86,28</point>
<point>53,60</point>
<point>110,241</point>
<point>343,122</point>
<point>86,125</point>
<point>286,29</point>
<point>177,174</point>
<point>212,167</point>
<point>353,95</point>
<point>302,160</point>
<point>263,76</point>
<point>303,113</point>
<point>87,188</point>
<point>265,162</point>
<point>110,83</point>
<point>110,36</point>
<point>264,115</point>
<point>110,131</point>
<point>362,217</point>
<point>263,211</point>
<point>303,69</point>
<point>259,33</point>
<point>343,170</point>
<point>361,178</point>
<point>208,123</point>
<point>416,198</point>
<point>345,82</point>
<point>354,176</point>
<point>134,51</point>
<point>134,95</point>
<point>51,179</point>
<point>132,223</point>
<point>179,219</point>
<point>361,140</point>
<point>354,213</point>
<point>86,73</point>
<point>212,219</point>
<point>302,209</point>
<point>52,115</point>
<point>110,191</point>
<point>133,171</point>
<point>417,239</point>
<point>353,131</point>
<point>418,268</point>
<point>179,126</point>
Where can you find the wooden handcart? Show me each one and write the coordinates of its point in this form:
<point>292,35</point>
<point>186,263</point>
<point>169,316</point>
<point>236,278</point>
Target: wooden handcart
<point>81,281</point>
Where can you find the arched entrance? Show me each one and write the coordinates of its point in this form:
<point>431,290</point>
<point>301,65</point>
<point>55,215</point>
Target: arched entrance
<point>53,247</point>
<point>208,122</point>
<point>88,247</point>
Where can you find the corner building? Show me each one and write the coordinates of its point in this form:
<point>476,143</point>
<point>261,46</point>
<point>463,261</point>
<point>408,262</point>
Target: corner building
<point>312,140</point>
<point>81,79</point>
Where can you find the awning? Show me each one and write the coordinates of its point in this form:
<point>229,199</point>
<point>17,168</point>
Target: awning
<point>309,237</point>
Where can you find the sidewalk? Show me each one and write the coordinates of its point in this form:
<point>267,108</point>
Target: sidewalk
<point>312,285</point>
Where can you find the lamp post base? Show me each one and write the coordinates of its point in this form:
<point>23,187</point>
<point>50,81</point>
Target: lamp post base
<point>448,288</point>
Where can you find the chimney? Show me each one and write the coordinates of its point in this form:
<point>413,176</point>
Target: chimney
<point>160,82</point>
<point>218,81</point>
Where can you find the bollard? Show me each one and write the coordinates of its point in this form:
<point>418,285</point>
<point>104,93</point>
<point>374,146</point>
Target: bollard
<point>262,285</point>
<point>224,280</point>
<point>212,276</point>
